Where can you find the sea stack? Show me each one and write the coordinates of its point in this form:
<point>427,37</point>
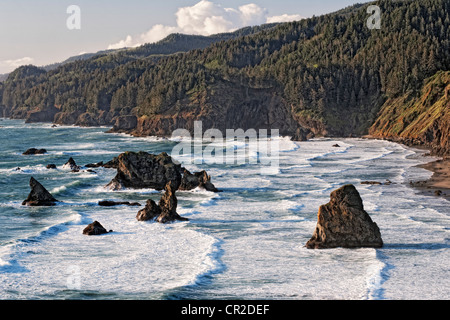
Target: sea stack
<point>95,229</point>
<point>165,212</point>
<point>343,223</point>
<point>71,164</point>
<point>39,196</point>
<point>138,170</point>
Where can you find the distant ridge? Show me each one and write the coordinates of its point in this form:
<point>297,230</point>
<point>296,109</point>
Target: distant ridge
<point>324,76</point>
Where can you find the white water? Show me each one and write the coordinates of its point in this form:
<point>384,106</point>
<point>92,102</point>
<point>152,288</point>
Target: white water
<point>247,242</point>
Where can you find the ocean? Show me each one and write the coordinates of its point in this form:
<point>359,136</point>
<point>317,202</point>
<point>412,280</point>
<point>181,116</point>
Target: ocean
<point>246,242</point>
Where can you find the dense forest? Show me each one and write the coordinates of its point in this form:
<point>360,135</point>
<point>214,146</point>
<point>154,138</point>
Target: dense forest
<point>327,75</point>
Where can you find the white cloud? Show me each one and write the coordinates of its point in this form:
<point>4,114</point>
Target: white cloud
<point>17,62</point>
<point>284,18</point>
<point>157,33</point>
<point>206,18</point>
<point>128,42</point>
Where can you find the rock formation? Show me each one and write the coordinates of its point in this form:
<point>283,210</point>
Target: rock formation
<point>95,229</point>
<point>71,164</point>
<point>34,151</point>
<point>201,179</point>
<point>344,223</point>
<point>39,196</point>
<point>165,212</point>
<point>107,203</point>
<point>144,170</point>
<point>151,212</point>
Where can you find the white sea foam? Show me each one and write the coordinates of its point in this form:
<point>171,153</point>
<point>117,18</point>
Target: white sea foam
<point>247,242</point>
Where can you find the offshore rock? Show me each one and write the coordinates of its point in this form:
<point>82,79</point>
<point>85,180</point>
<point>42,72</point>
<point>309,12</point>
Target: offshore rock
<point>107,203</point>
<point>344,223</point>
<point>201,179</point>
<point>71,164</point>
<point>34,151</point>
<point>39,196</point>
<point>165,212</point>
<point>143,170</point>
<point>95,229</point>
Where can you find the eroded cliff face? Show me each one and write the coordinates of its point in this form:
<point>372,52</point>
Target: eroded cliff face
<point>240,108</point>
<point>419,120</point>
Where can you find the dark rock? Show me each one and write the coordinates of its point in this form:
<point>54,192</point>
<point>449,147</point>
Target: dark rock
<point>336,146</point>
<point>94,165</point>
<point>201,179</point>
<point>39,196</point>
<point>125,123</point>
<point>114,163</point>
<point>151,212</point>
<point>344,223</point>
<point>95,229</point>
<point>51,166</point>
<point>87,120</point>
<point>438,193</point>
<point>34,151</point>
<point>46,115</point>
<point>67,118</point>
<point>371,182</point>
<point>107,203</point>
<point>166,211</point>
<point>71,164</point>
<point>144,170</point>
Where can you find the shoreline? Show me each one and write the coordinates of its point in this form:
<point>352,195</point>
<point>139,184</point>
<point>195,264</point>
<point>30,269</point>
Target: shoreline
<point>437,186</point>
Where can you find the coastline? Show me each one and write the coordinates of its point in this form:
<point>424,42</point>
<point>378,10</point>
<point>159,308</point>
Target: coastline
<point>439,184</point>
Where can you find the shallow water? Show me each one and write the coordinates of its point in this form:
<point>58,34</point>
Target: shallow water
<point>244,243</point>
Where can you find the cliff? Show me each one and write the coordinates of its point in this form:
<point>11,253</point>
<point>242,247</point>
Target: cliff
<point>419,119</point>
<point>323,76</point>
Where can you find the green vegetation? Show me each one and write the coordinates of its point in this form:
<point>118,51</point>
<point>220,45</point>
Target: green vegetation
<point>331,69</point>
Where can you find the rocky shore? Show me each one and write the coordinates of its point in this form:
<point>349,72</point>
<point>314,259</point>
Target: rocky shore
<point>439,184</point>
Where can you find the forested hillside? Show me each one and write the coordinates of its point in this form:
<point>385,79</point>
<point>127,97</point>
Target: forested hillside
<point>327,75</point>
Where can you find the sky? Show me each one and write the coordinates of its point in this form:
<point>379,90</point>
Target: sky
<point>41,32</point>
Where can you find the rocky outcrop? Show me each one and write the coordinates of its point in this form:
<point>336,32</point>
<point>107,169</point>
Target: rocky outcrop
<point>67,118</point>
<point>46,115</point>
<point>124,123</point>
<point>344,223</point>
<point>39,196</point>
<point>242,107</point>
<point>95,229</point>
<point>107,203</point>
<point>201,179</point>
<point>151,212</point>
<point>166,211</point>
<point>34,151</point>
<point>71,164</point>
<point>143,170</point>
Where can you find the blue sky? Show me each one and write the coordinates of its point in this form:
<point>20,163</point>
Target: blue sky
<point>35,31</point>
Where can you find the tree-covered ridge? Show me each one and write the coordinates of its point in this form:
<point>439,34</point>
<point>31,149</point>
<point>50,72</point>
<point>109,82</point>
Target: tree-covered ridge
<point>332,73</point>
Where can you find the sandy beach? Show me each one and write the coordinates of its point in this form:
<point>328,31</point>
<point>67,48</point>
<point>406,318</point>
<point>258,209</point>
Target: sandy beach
<point>439,184</point>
